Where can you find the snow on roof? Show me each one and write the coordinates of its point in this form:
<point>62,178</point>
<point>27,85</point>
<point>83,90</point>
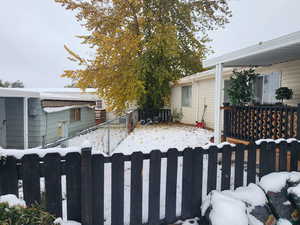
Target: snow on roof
<point>72,94</point>
<point>15,92</point>
<point>59,109</point>
<point>60,90</point>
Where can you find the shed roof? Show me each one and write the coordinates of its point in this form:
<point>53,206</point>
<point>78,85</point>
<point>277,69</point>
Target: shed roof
<point>283,49</point>
<point>70,94</point>
<point>12,92</point>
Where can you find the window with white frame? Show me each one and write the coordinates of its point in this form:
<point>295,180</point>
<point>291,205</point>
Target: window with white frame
<point>186,96</point>
<point>265,87</point>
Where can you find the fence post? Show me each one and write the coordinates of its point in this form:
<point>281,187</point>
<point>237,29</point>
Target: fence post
<point>86,187</point>
<point>226,120</point>
<point>298,122</point>
<point>108,139</point>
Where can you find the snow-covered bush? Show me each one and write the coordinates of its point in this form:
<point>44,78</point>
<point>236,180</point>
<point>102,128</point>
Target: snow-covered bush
<point>13,211</point>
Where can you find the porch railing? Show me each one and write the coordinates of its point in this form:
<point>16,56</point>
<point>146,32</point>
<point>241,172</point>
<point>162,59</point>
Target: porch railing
<point>260,122</point>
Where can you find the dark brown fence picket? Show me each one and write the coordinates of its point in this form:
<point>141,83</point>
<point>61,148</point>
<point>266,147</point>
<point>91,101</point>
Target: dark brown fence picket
<point>98,189</point>
<point>187,183</point>
<point>197,181</point>
<point>117,189</point>
<point>251,164</point>
<point>31,179</point>
<point>86,187</point>
<point>212,168</point>
<point>226,167</point>
<point>263,157</point>
<point>154,187</point>
<point>136,191</point>
<point>9,177</point>
<point>294,148</point>
<point>283,148</point>
<point>239,166</point>
<point>53,190</point>
<point>171,186</point>
<point>73,183</point>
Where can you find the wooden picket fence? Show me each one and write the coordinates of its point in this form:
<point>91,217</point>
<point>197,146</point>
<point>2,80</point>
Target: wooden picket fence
<point>85,179</point>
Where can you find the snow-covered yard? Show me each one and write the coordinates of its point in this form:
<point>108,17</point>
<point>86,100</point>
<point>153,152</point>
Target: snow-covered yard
<point>98,139</point>
<point>163,137</point>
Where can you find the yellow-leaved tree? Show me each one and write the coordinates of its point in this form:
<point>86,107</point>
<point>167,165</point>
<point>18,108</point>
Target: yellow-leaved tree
<point>142,45</point>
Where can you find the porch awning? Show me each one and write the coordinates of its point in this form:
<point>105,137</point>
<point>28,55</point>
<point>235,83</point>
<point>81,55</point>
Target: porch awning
<point>279,50</point>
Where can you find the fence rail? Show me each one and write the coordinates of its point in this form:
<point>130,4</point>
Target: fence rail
<point>260,122</point>
<point>124,124</point>
<point>87,180</point>
<point>161,115</point>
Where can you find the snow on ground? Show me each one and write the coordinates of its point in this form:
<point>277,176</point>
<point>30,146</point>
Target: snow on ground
<point>163,137</point>
<point>98,139</point>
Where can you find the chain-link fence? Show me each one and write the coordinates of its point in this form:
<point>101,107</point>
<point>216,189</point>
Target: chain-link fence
<point>104,137</point>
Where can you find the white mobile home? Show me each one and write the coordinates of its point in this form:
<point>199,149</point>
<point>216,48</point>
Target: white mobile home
<point>278,62</point>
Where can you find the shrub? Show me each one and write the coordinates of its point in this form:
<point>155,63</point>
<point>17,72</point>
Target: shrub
<point>177,116</point>
<point>18,215</point>
<point>240,90</point>
<point>284,93</point>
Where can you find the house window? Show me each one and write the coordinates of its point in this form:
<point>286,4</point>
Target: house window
<point>265,87</point>
<point>186,96</point>
<point>99,104</point>
<point>75,115</point>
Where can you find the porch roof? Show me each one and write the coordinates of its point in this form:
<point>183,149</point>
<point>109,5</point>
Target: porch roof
<point>279,50</point>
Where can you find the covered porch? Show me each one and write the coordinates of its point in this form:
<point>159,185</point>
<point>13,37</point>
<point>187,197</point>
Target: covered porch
<point>246,120</point>
<point>14,118</point>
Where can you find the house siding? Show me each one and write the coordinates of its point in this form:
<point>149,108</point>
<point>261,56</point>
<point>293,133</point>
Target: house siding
<point>34,122</point>
<point>203,93</point>
<point>290,77</point>
<point>53,120</point>
<point>15,124</point>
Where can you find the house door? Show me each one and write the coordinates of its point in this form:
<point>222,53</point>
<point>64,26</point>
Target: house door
<point>2,123</point>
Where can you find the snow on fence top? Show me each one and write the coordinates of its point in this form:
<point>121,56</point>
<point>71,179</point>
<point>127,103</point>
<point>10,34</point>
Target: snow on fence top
<point>86,144</point>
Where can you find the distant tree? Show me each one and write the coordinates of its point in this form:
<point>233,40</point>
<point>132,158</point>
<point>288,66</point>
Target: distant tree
<point>16,84</point>
<point>4,84</point>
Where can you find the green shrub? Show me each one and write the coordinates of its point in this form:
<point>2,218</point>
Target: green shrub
<point>284,93</point>
<point>240,90</point>
<point>17,215</point>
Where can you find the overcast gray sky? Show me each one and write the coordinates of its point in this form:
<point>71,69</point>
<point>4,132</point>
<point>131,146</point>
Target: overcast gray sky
<point>33,32</point>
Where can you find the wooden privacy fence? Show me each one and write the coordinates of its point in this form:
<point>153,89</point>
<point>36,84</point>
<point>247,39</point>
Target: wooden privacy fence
<point>86,179</point>
<point>259,122</point>
<point>162,115</point>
